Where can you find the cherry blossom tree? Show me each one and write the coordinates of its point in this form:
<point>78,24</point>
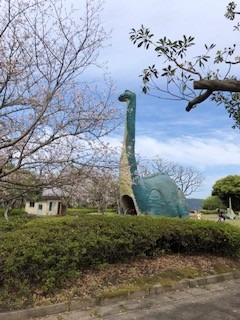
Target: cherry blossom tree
<point>104,190</point>
<point>97,187</point>
<point>50,117</point>
<point>16,187</point>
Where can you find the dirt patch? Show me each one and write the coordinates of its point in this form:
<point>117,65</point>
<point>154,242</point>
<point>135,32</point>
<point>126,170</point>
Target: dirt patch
<point>142,272</point>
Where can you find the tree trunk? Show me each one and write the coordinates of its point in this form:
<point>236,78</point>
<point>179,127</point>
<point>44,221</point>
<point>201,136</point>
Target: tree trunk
<point>6,214</point>
<point>9,208</point>
<point>218,85</point>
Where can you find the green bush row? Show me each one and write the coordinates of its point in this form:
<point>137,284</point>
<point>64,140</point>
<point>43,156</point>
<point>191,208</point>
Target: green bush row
<point>77,211</point>
<point>45,252</point>
<point>13,212</point>
<point>74,211</point>
<point>205,211</point>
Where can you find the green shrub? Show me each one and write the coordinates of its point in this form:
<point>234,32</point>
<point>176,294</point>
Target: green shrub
<point>13,212</point>
<point>45,252</point>
<point>212,203</point>
<point>15,222</point>
<point>77,211</point>
<point>204,211</point>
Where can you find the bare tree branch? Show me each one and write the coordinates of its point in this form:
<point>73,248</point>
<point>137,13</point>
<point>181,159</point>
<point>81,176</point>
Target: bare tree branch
<point>188,179</point>
<point>198,99</point>
<point>218,85</point>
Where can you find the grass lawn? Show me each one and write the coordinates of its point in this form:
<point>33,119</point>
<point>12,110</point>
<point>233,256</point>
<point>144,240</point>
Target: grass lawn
<point>214,217</point>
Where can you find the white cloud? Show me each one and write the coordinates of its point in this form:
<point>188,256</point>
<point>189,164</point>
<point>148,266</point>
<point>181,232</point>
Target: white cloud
<point>196,152</point>
<point>172,19</point>
<point>187,150</point>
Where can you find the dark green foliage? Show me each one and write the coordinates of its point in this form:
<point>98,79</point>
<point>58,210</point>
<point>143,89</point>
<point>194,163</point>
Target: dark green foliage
<point>228,187</point>
<point>212,203</point>
<point>13,212</point>
<point>79,211</point>
<point>205,211</point>
<point>45,252</point>
<point>15,223</point>
<point>74,212</point>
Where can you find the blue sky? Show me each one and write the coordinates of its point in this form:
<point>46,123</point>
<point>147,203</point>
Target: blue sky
<point>203,138</point>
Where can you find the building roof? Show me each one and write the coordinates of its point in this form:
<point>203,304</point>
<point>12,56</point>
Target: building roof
<point>53,193</point>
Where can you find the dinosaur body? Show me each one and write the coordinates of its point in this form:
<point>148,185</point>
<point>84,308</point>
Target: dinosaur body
<point>156,194</point>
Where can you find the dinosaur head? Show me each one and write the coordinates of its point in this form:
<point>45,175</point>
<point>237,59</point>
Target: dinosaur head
<point>126,96</point>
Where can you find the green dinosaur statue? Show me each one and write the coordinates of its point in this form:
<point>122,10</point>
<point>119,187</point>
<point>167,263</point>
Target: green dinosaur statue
<point>156,194</point>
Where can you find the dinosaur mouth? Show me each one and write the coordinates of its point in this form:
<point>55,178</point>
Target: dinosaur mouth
<point>121,98</point>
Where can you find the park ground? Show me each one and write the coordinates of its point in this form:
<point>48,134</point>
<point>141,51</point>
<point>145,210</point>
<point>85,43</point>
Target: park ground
<point>114,280</point>
<point>110,281</point>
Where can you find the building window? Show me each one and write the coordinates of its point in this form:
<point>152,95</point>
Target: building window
<point>40,207</point>
<point>32,204</point>
<point>51,206</point>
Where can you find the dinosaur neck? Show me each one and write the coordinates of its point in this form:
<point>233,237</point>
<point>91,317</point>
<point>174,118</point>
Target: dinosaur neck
<point>129,136</point>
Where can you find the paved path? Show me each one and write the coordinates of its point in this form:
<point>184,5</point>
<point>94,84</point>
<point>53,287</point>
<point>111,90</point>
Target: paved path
<point>219,301</point>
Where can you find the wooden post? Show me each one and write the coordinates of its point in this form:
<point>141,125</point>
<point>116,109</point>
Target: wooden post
<point>230,204</point>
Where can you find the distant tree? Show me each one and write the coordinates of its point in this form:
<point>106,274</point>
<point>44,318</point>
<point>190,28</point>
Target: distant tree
<point>49,117</point>
<point>212,203</point>
<point>228,187</point>
<point>97,187</point>
<point>181,71</point>
<point>188,179</point>
<point>16,187</point>
<point>104,190</point>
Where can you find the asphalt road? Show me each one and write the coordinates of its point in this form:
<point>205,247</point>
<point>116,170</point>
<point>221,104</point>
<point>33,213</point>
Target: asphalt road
<point>220,301</point>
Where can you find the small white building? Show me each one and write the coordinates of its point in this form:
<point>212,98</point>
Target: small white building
<point>49,204</point>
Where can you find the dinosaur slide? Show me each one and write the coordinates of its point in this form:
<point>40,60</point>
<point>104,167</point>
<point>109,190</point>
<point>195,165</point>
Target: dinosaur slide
<point>156,194</point>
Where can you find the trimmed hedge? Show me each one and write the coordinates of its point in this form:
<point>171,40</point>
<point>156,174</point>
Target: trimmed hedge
<point>79,211</point>
<point>13,212</point>
<point>76,211</point>
<point>204,211</point>
<point>47,251</point>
